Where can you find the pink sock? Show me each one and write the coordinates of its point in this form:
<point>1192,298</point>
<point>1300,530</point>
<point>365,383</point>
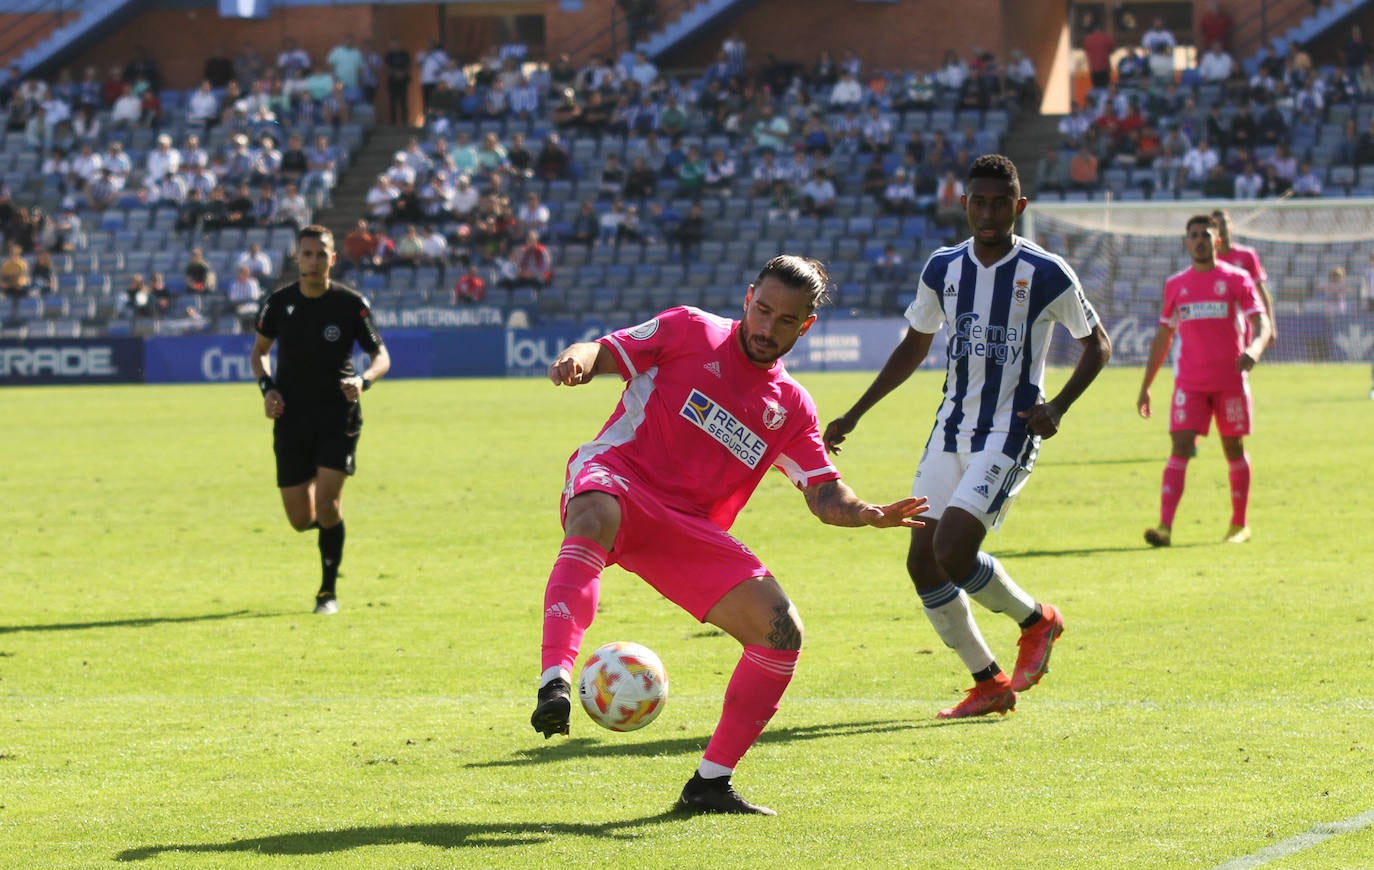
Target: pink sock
<point>1239,472</point>
<point>1175,470</point>
<point>570,601</point>
<point>751,699</point>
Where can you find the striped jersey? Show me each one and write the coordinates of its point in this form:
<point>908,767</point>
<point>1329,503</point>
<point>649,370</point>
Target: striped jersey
<point>698,422</point>
<point>1000,319</point>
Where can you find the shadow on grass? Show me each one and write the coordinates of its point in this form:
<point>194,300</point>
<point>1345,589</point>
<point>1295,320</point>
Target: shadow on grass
<point>446,836</point>
<point>1142,549</point>
<point>136,623</point>
<point>582,747</point>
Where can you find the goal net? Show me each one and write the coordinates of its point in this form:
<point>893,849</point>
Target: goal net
<point>1124,251</point>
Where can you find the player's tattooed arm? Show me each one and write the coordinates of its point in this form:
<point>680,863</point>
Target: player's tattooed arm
<point>835,504</point>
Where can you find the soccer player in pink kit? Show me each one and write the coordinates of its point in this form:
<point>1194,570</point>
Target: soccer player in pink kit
<point>707,409</point>
<point>1242,257</point>
<point>1215,309</point>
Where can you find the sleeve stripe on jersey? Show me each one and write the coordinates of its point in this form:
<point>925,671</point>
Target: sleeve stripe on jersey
<point>801,477</point>
<point>624,357</point>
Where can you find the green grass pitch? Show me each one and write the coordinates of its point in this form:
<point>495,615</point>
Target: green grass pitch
<point>168,700</point>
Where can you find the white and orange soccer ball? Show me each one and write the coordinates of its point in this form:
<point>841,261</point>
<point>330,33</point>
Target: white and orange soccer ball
<point>623,686</point>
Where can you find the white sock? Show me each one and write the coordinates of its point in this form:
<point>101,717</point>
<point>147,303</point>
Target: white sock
<point>711,770</point>
<point>991,586</point>
<point>948,611</point>
<point>554,673</point>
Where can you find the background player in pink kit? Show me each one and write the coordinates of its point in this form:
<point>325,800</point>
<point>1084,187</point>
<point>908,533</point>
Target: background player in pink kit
<point>1215,309</point>
<point>1247,259</point>
<point>707,409</point>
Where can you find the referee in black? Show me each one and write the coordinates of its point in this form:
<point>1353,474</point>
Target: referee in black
<point>313,396</point>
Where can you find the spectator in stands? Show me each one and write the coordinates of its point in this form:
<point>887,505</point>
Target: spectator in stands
<point>1356,50</point>
<point>239,207</point>
<point>1285,167</point>
<point>1218,184</point>
<point>248,66</point>
<point>410,248</point>
<point>1308,182</point>
<point>818,195</point>
<point>258,262</point>
<point>1098,46</point>
<point>691,174</point>
<point>434,248</point>
<point>899,197</point>
<point>720,173</point>
<point>469,288</point>
<point>14,277</point>
<point>396,63</point>
<point>689,233</point>
<point>1243,131</point>
<point>532,216</point>
<point>380,197</point>
<point>553,162</point>
<point>347,63</point>
<point>203,107</point>
<point>138,298</point>
<point>630,229</point>
<point>1083,170</point>
<point>875,179</point>
<point>66,229</point>
<point>1022,84</point>
<point>1249,182</point>
<point>101,190</point>
<point>1216,66</point>
<point>190,212</point>
<point>1272,125</point>
<point>266,163</point>
<point>533,263</point>
<point>466,199</point>
<point>888,266</point>
<point>127,110</point>
<point>1052,172</point>
<point>1073,127</point>
<point>43,274</point>
<point>608,224</point>
<point>200,275</point>
<point>585,225</point>
<point>1198,163</point>
<point>1214,27</point>
<point>1364,150</point>
<point>243,295</point>
<point>358,247</point>
<point>771,132</point>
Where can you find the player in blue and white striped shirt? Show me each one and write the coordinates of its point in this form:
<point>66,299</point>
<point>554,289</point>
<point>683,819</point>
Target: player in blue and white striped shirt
<point>1000,296</point>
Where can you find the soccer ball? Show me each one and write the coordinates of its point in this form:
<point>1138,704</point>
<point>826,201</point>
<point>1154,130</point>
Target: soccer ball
<point>623,686</point>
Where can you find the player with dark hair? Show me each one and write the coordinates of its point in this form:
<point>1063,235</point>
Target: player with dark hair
<point>1223,328</point>
<point>707,409</point>
<point>1000,296</point>
<point>314,323</point>
<point>1244,257</point>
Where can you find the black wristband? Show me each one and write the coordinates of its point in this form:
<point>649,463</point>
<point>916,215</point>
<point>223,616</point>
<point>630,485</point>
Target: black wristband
<point>367,385</point>
<point>265,383</point>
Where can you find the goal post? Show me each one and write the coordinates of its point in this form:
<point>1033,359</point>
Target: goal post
<point>1124,251</point>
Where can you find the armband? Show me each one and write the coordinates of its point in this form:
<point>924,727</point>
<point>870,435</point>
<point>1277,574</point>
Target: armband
<point>266,383</point>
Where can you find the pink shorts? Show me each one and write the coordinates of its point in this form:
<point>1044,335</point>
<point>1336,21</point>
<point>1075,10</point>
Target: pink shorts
<point>1193,411</point>
<point>687,558</point>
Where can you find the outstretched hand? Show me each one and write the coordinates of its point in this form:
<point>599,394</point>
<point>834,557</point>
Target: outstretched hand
<point>899,513</point>
<point>835,432</point>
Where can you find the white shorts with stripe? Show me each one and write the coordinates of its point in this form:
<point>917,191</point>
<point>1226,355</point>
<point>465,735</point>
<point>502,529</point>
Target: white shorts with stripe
<point>983,483</point>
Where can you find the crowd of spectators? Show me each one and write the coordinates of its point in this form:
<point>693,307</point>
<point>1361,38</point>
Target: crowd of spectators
<point>639,152</point>
<point>1280,125</point>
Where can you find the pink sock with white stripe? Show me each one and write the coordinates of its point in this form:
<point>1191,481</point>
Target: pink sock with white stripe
<point>570,601</point>
<point>751,699</point>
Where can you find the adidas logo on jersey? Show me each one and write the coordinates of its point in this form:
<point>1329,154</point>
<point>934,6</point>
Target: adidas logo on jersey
<point>981,489</point>
<point>713,367</point>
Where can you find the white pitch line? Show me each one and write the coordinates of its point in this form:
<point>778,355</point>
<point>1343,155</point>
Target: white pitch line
<point>1306,840</point>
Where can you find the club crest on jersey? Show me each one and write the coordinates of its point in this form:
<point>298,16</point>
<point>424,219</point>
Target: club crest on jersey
<point>1219,288</point>
<point>290,310</point>
<point>644,330</point>
<point>703,412</point>
<point>773,415</point>
<point>331,333</point>
<point>1020,291</point>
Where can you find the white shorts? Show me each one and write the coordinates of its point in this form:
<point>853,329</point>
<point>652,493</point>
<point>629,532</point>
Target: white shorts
<point>983,484</point>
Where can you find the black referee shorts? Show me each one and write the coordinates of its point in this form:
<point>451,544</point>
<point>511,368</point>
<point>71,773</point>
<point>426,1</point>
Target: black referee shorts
<point>315,440</point>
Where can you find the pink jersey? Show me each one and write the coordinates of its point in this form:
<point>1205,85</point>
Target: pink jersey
<point>1247,259</point>
<point>1211,311</point>
<point>701,423</point>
